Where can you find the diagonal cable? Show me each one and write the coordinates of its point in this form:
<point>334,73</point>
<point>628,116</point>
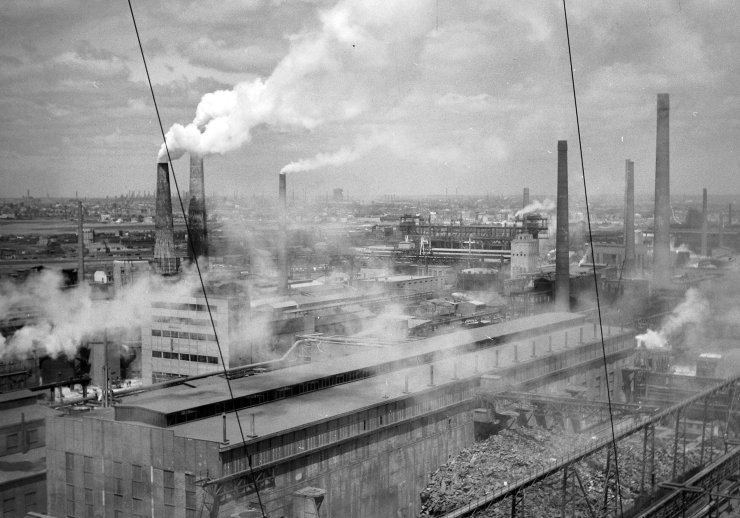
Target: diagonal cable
<point>593,263</point>
<point>197,266</point>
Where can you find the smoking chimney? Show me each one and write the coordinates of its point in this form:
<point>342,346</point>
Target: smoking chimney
<point>525,197</point>
<point>704,228</point>
<point>629,218</point>
<point>80,247</point>
<point>198,234</point>
<point>562,270</point>
<point>165,261</point>
<point>662,219</point>
<point>282,235</point>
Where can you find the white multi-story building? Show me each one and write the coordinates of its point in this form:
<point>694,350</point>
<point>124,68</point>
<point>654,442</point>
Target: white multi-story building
<point>525,252</point>
<point>180,340</point>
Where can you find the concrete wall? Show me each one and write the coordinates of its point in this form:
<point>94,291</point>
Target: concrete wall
<point>370,476</point>
<point>100,466</point>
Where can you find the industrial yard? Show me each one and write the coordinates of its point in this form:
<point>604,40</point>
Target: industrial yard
<point>356,259</point>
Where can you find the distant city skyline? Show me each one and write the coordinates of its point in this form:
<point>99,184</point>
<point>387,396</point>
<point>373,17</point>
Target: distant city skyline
<point>469,97</point>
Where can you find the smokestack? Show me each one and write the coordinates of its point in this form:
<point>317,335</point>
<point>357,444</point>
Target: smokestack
<point>282,235</point>
<point>729,216</point>
<point>704,228</point>
<point>80,248</point>
<point>525,197</point>
<point>629,218</point>
<point>562,245</point>
<point>662,221</point>
<point>721,230</point>
<point>165,261</point>
<point>198,234</point>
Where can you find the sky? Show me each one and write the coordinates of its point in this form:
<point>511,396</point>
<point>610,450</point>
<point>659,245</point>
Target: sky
<point>376,97</point>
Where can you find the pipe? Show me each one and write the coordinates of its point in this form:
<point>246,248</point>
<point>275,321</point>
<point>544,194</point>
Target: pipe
<point>562,245</point>
<point>198,233</point>
<point>629,218</point>
<point>662,218</point>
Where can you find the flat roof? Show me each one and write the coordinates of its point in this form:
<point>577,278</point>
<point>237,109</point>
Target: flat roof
<point>297,412</point>
<point>213,389</point>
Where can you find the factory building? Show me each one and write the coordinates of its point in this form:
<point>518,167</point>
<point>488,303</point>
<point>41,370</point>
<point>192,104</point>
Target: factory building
<point>393,417</point>
<point>22,453</point>
<point>180,341</point>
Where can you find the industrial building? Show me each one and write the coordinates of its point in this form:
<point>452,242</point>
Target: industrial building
<point>395,413</point>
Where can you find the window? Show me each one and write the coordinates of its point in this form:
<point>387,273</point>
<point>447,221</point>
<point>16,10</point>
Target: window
<point>11,442</point>
<point>189,496</point>
<point>156,354</point>
<point>30,501</point>
<point>169,486</point>
<point>71,510</point>
<point>69,464</point>
<point>9,507</point>
<point>33,437</point>
<point>168,482</point>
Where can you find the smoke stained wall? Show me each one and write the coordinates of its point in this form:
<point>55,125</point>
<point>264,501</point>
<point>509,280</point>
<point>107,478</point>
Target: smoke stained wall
<point>165,261</point>
<point>662,218</point>
<point>562,243</point>
<point>629,218</point>
<point>197,231</point>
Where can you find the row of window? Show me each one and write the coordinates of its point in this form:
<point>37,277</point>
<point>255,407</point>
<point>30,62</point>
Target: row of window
<point>140,494</point>
<point>167,355</point>
<point>184,335</point>
<point>324,434</point>
<point>183,307</point>
<point>13,441</point>
<point>204,322</point>
<point>12,507</point>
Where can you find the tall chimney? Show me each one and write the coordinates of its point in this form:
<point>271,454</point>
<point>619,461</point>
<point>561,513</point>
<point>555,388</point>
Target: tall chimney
<point>704,228</point>
<point>629,218</point>
<point>198,234</point>
<point>525,197</point>
<point>282,235</point>
<point>165,261</point>
<point>729,215</point>
<point>721,230</point>
<point>562,245</point>
<point>662,221</point>
<point>80,247</point>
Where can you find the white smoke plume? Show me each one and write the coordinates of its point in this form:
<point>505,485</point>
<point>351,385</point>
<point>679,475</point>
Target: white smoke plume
<point>546,205</point>
<point>343,156</point>
<point>331,74</point>
<point>66,318</point>
<point>693,310</point>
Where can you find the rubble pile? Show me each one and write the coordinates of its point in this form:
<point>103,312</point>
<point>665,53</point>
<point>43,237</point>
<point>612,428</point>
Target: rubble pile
<point>502,459</point>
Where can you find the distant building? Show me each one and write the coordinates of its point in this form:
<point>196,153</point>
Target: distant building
<point>127,273</point>
<point>525,251</point>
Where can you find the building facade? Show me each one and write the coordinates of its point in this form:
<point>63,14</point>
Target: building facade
<point>180,340</point>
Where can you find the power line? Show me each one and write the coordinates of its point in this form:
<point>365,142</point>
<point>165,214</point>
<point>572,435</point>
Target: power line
<point>593,263</point>
<point>195,260</point>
